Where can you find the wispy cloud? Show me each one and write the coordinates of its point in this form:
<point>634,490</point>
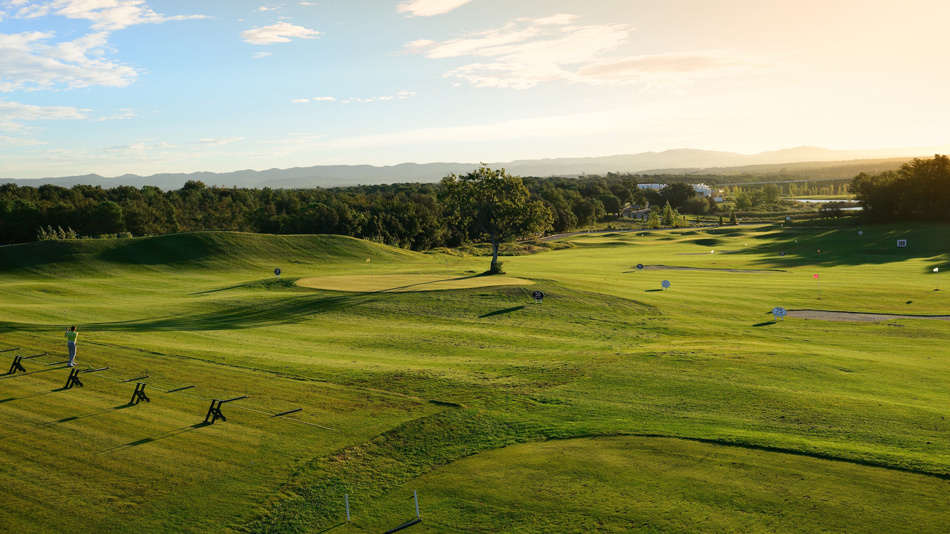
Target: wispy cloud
<point>527,52</point>
<point>428,8</point>
<point>216,141</point>
<point>13,113</point>
<point>17,141</point>
<point>259,55</point>
<point>300,101</point>
<point>282,32</point>
<point>324,99</point>
<point>671,70</point>
<point>123,114</point>
<point>108,15</point>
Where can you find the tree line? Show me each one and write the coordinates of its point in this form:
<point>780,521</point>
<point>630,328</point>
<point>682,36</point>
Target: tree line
<point>413,216</point>
<point>919,190</point>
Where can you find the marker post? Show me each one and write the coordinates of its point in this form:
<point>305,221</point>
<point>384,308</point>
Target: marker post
<point>819,286</point>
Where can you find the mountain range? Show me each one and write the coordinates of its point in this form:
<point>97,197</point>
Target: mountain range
<point>666,162</point>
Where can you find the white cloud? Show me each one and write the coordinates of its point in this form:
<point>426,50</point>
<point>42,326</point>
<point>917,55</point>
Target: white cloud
<point>428,8</point>
<point>216,141</point>
<point>527,52</point>
<point>324,99</point>
<point>137,149</point>
<point>122,115</point>
<point>16,141</point>
<point>281,32</point>
<point>266,8</point>
<point>259,55</point>
<point>109,15</point>
<point>12,113</point>
<point>30,61</point>
<point>670,70</point>
<point>27,62</point>
<point>300,101</point>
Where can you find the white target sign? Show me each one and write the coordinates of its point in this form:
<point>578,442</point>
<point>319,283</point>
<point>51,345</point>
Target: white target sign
<point>779,313</point>
<point>901,243</point>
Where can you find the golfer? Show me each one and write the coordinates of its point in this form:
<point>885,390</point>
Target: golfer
<point>71,335</point>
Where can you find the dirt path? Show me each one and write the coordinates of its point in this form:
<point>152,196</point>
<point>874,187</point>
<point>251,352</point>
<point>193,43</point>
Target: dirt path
<point>858,317</point>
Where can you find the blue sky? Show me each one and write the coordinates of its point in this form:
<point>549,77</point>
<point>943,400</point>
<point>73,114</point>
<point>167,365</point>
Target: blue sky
<point>149,86</point>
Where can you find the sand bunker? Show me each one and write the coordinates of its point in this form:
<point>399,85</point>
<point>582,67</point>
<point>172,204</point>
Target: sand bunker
<point>671,268</point>
<point>858,317</point>
<point>407,282</point>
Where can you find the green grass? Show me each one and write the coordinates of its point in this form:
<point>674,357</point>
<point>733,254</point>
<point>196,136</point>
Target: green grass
<point>406,282</point>
<point>452,391</point>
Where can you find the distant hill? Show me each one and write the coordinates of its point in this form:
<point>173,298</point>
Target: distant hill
<point>666,162</point>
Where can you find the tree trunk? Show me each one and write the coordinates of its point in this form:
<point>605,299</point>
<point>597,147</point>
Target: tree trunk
<point>494,251</point>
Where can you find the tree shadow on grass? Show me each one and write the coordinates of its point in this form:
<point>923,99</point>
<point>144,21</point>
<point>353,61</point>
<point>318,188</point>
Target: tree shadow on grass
<point>843,245</point>
<point>263,312</point>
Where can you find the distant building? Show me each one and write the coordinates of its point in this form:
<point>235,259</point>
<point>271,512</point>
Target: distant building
<point>635,213</point>
<point>702,190</point>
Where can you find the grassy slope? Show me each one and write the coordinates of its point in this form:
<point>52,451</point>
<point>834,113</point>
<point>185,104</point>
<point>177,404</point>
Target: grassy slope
<point>605,354</point>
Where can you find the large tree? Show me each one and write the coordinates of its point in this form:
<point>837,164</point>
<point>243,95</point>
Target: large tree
<point>495,204</point>
<point>677,193</point>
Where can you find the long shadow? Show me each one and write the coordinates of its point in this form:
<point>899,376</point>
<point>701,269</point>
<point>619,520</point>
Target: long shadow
<point>28,373</point>
<point>270,311</point>
<point>766,323</point>
<point>331,528</point>
<point>843,245</point>
<point>48,424</point>
<point>501,312</point>
<point>275,309</point>
<point>145,441</point>
<point>652,290</point>
<point>40,394</point>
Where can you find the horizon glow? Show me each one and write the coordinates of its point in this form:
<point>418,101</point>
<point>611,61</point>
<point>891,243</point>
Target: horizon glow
<point>130,86</point>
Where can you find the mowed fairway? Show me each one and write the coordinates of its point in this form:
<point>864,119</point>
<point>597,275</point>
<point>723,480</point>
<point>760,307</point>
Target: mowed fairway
<point>614,406</point>
<point>407,282</point>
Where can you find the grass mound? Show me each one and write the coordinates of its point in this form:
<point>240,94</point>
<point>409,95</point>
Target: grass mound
<point>201,251</point>
<point>650,484</point>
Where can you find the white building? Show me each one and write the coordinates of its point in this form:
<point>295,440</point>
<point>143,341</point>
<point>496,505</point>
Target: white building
<point>702,190</point>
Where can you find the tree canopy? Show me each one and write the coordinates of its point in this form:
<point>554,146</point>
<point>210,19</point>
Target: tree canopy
<point>919,190</point>
<point>497,205</point>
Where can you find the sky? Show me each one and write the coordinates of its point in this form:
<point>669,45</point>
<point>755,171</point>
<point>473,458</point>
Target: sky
<point>151,86</point>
